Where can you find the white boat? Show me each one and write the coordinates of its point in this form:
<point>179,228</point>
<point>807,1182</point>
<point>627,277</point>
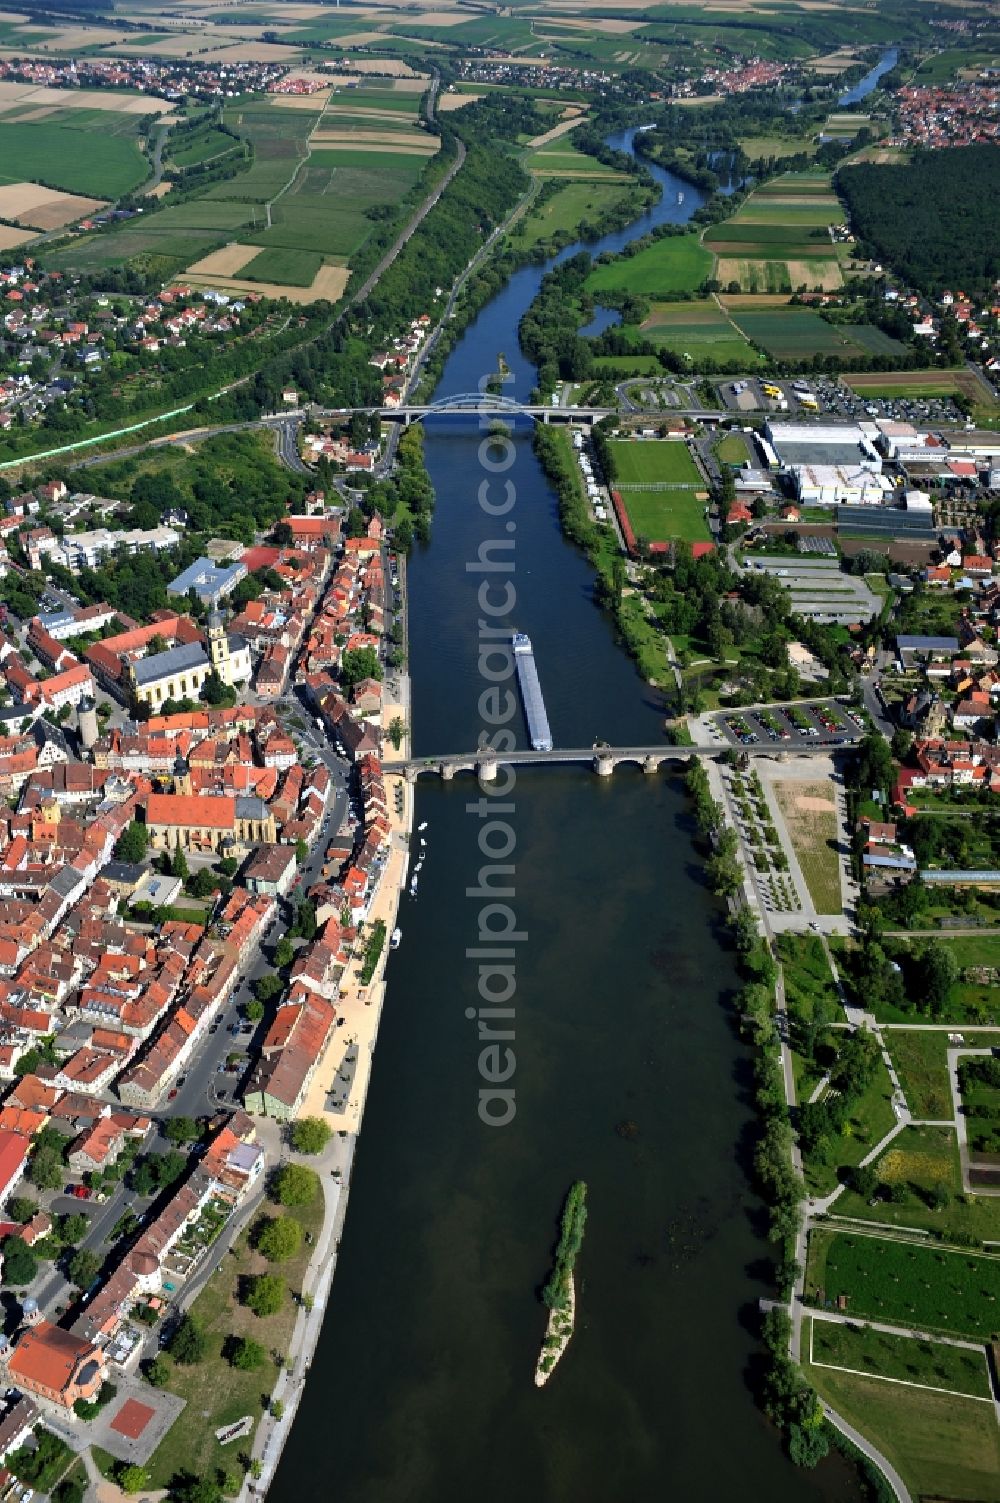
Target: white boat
<point>413,887</point>
<point>423,826</point>
<point>680,198</point>
<point>422,840</point>
<point>394,939</point>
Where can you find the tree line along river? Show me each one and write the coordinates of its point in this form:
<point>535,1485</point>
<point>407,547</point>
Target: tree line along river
<point>628,1075</point>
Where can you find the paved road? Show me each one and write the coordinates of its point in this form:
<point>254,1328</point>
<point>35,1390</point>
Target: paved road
<point>875,707</point>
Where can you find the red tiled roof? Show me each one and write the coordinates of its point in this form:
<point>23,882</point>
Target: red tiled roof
<point>196,811</point>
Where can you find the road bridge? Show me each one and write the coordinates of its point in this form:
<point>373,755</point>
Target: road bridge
<point>484,763</point>
<point>480,404</point>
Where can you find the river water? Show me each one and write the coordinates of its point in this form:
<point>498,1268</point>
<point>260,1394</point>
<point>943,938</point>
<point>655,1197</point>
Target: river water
<point>869,83</point>
<point>628,1075</point>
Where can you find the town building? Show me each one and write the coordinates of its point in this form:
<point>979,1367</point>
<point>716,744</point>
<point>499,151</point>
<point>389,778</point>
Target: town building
<point>53,1364</point>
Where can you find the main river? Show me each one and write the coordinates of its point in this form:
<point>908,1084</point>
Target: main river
<point>628,1075</point>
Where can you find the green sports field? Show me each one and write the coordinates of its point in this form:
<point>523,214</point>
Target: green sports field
<point>663,516</point>
<point>647,461</point>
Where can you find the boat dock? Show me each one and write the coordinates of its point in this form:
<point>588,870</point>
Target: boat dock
<point>531,693</point>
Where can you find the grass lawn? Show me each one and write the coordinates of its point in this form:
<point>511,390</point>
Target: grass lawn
<point>811,998</point>
<point>677,263</point>
<point>775,146</point>
<point>810,815</point>
<point>921,1159</point>
<point>870,1353</point>
<point>624,366</point>
<point>906,1283</point>
<point>732,449</point>
<point>647,461</point>
<point>568,209</point>
<point>559,158</point>
<point>942,1446</point>
<point>662,515</point>
<point>871,1118</point>
<point>922,1067</point>
<point>218,1394</point>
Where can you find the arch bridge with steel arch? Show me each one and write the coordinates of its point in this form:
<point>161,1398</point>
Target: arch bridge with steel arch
<point>484,404</point>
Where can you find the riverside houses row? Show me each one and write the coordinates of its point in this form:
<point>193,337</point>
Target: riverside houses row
<point>89,995</point>
<point>59,1366</point>
<point>304,1022</point>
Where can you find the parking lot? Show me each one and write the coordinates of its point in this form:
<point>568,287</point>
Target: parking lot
<point>842,401</point>
<point>819,588</point>
<point>792,727</point>
<point>834,399</point>
<point>751,396</point>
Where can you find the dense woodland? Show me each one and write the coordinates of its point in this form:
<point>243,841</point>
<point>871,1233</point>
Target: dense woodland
<point>936,222</point>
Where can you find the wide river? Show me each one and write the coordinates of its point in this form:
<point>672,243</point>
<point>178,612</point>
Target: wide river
<point>628,1075</point>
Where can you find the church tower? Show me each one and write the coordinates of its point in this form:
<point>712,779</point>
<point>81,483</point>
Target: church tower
<point>218,646</point>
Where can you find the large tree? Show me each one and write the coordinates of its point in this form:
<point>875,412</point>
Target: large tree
<point>310,1135</point>
<point>188,1344</point>
<point>19,1262</point>
<point>295,1185</point>
<point>132,843</point>
<point>280,1237</point>
<point>265,1294</point>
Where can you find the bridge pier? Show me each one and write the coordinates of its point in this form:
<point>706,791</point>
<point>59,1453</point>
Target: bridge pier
<point>447,771</point>
<point>486,769</point>
<point>650,764</point>
<point>410,774</point>
<point>604,765</point>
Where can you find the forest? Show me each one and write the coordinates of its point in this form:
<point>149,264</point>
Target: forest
<point>935,222</point>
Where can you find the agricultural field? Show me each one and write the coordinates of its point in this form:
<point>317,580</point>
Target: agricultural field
<point>788,333</point>
<point>560,158</point>
<point>778,240</point>
<point>317,190</point>
<point>91,162</point>
<point>914,1284</point>
<point>677,263</point>
<point>900,1359</point>
<point>700,329</point>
